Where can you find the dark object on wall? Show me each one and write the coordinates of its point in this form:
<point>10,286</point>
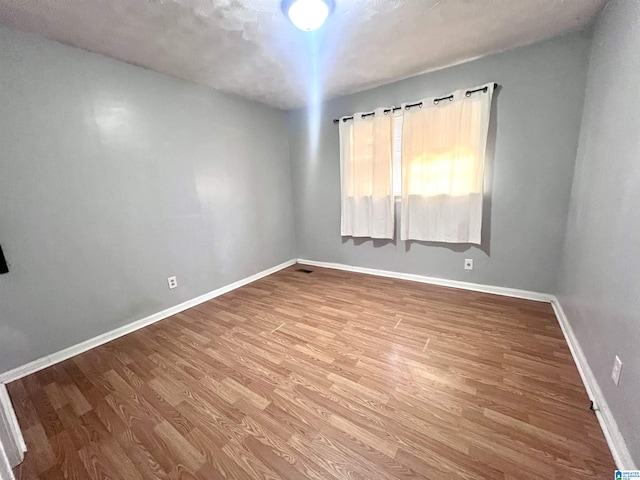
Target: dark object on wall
<point>4,268</point>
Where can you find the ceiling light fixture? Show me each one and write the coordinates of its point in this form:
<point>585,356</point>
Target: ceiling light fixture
<point>308,15</point>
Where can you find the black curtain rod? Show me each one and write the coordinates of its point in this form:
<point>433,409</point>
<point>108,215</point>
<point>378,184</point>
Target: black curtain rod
<point>408,106</point>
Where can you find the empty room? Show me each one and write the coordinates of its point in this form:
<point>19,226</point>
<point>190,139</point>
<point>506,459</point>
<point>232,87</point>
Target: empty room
<point>319,239</point>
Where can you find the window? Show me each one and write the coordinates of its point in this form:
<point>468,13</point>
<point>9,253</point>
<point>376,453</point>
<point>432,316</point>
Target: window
<point>365,171</point>
<point>452,171</point>
<point>430,154</point>
<point>444,173</point>
<point>397,154</point>
<point>443,152</point>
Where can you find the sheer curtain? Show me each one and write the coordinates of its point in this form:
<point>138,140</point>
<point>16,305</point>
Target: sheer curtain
<point>443,154</point>
<point>366,146</point>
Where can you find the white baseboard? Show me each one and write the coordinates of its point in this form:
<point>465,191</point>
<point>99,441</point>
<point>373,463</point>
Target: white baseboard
<point>62,355</point>
<point>476,287</point>
<point>5,467</point>
<point>13,447</point>
<point>612,434</point>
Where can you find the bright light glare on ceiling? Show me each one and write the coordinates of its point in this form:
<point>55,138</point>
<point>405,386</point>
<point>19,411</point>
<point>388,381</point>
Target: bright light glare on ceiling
<point>308,15</point>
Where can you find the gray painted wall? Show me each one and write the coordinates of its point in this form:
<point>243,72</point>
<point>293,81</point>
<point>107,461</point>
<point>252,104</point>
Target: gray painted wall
<point>113,178</point>
<point>599,286</point>
<point>537,114</point>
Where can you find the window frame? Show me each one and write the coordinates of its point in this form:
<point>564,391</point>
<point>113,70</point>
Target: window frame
<point>396,174</point>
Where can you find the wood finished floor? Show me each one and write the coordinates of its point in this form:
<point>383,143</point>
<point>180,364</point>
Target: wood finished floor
<point>327,375</point>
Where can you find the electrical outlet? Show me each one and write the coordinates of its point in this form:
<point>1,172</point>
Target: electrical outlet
<point>173,282</point>
<point>617,368</point>
<point>468,263</point>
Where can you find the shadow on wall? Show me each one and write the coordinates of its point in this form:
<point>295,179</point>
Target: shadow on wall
<point>485,236</point>
<point>485,239</point>
<point>376,242</point>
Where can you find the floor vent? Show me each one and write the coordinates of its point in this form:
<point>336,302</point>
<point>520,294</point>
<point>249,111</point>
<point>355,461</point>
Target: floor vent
<point>304,270</point>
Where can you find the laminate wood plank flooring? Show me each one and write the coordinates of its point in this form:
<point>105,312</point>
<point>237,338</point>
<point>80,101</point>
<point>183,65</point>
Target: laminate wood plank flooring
<point>327,375</point>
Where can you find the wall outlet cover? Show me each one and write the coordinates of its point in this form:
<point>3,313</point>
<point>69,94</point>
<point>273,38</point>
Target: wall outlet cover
<point>468,263</point>
<point>173,282</point>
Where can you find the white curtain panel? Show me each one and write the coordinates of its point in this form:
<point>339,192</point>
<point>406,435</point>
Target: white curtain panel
<point>366,163</point>
<point>443,155</point>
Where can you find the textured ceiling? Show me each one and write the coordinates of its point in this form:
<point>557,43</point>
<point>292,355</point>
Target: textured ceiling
<point>248,47</point>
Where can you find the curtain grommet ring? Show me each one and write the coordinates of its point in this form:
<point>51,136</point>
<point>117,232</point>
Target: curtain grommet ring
<point>468,94</point>
<point>435,102</point>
